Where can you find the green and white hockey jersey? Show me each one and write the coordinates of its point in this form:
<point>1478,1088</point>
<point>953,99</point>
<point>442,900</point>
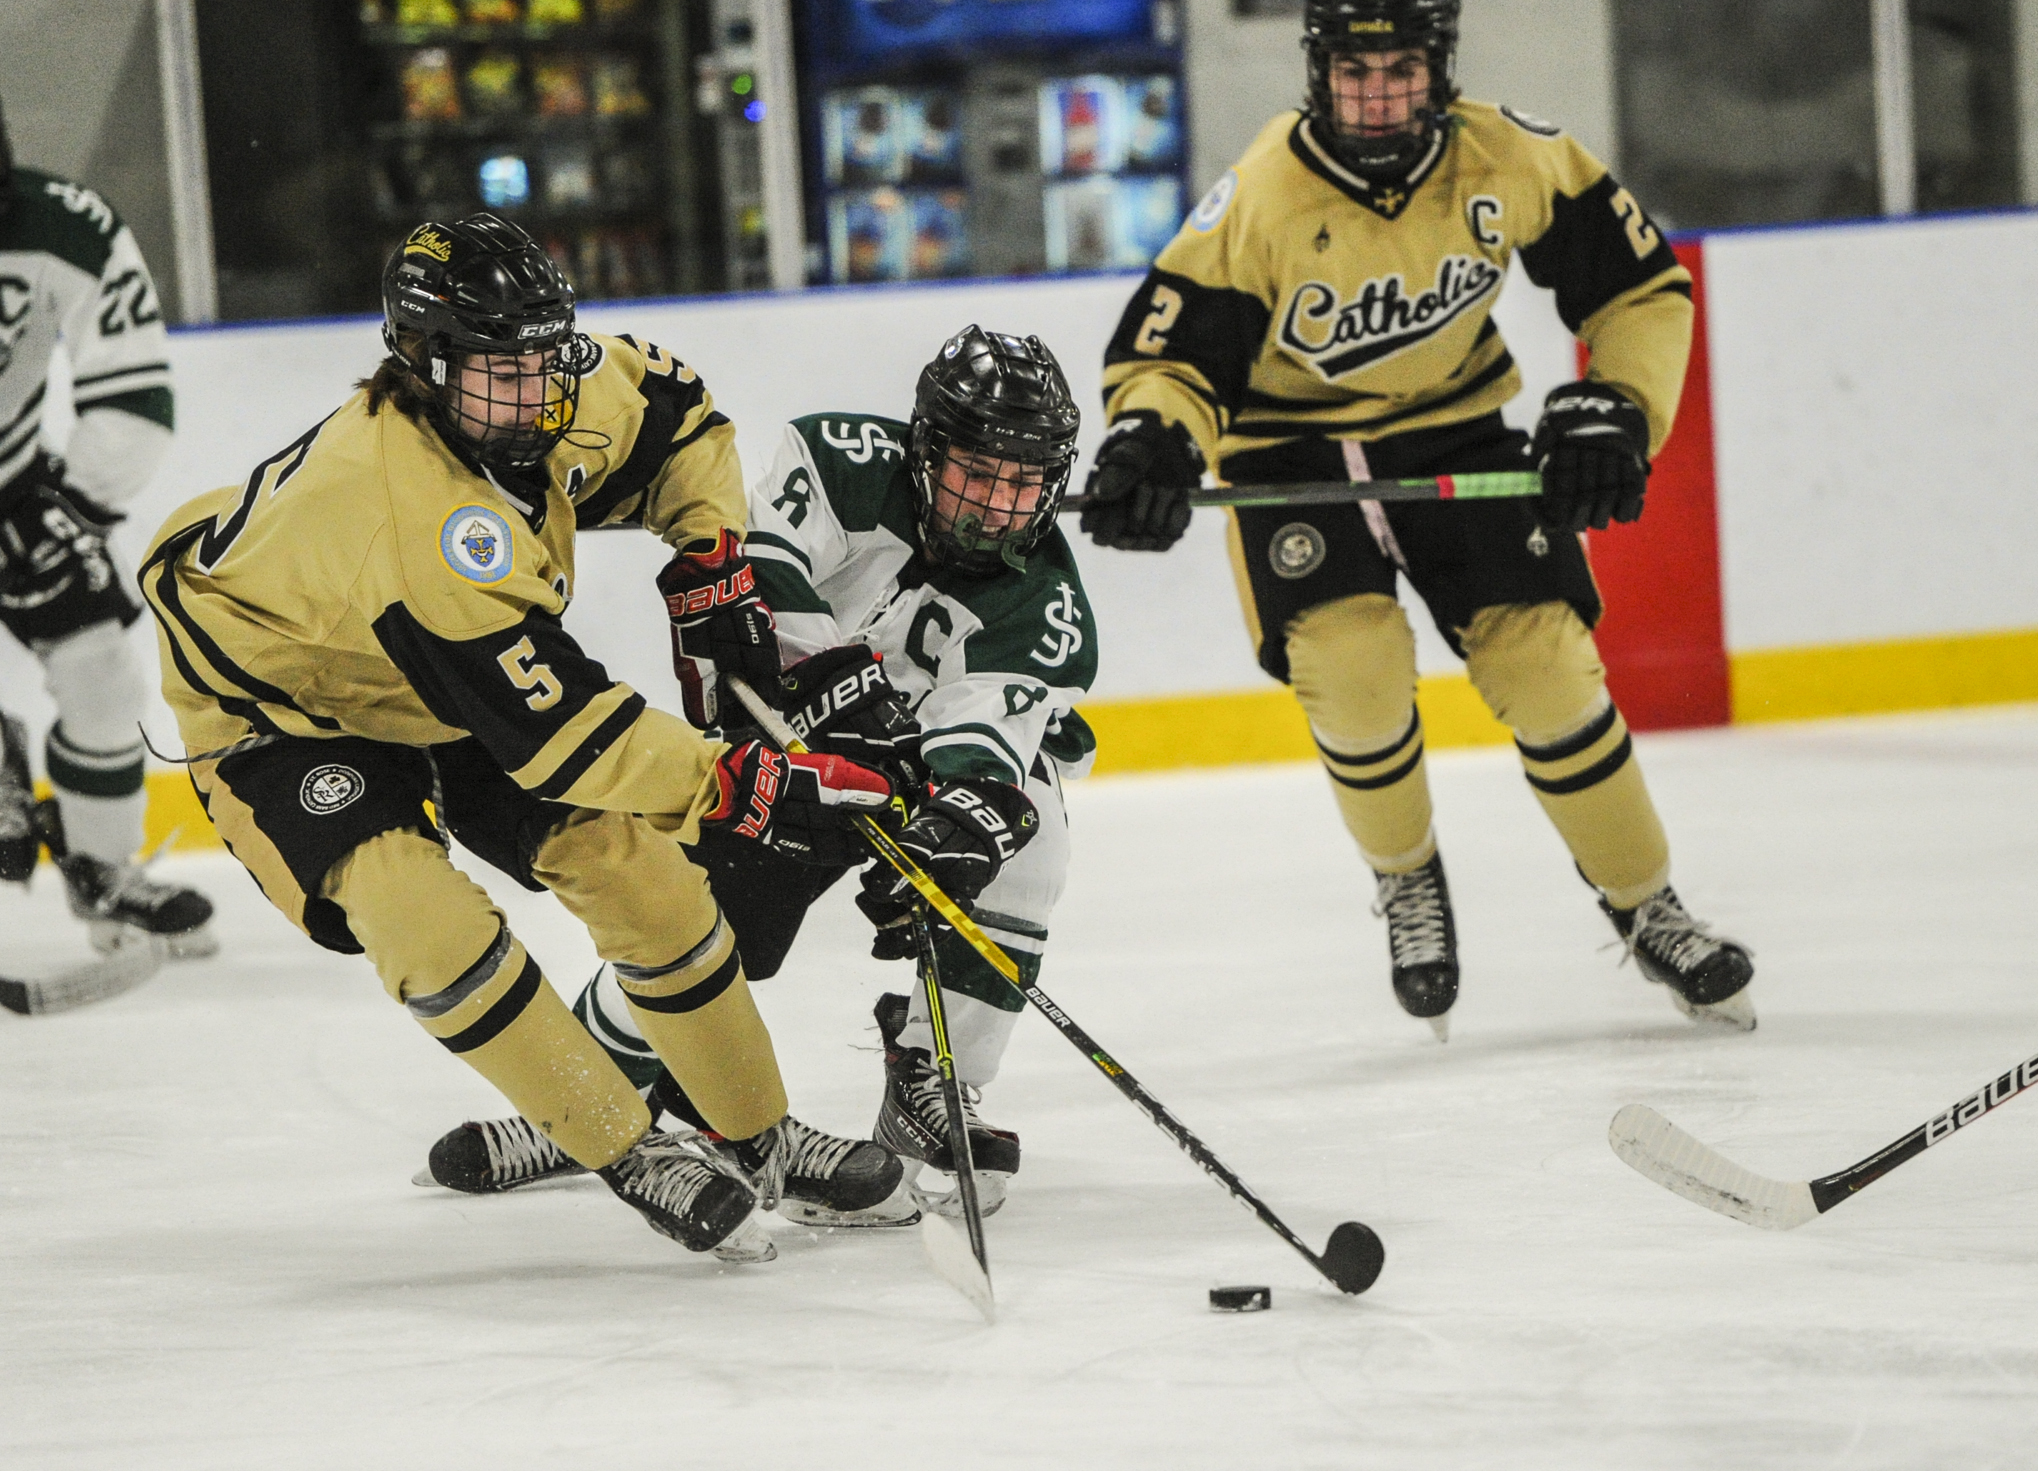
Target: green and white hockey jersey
<point>68,265</point>
<point>993,665</point>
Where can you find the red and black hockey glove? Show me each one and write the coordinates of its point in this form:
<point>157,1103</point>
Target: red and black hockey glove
<point>1137,497</point>
<point>840,701</point>
<point>963,833</point>
<point>802,805</point>
<point>1592,446</point>
<point>720,625</point>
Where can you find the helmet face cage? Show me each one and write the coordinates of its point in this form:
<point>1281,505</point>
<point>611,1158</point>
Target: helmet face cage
<point>983,508</point>
<point>992,446</point>
<point>1334,28</point>
<point>499,354</point>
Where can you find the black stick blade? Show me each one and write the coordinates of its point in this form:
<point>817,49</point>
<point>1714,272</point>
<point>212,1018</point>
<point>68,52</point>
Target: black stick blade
<point>1354,1257</point>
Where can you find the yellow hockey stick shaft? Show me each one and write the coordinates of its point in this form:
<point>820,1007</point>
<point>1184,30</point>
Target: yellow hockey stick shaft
<point>774,726</point>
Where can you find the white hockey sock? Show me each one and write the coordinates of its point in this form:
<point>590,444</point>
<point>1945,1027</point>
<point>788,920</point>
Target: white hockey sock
<point>978,1033</point>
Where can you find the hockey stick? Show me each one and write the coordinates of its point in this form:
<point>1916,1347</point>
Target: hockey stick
<point>1354,1255</point>
<point>133,961</point>
<point>1484,485</point>
<point>1657,1148</point>
<point>970,1273</point>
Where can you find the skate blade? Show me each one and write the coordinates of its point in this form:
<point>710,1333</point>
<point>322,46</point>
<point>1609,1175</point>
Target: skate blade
<point>897,1209</point>
<point>198,944</point>
<point>990,1195</point>
<point>1441,1025</point>
<point>1736,1013</point>
<point>746,1244</point>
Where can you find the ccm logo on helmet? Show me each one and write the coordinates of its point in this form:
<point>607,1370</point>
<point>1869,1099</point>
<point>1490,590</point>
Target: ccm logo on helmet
<point>700,599</point>
<point>539,329</point>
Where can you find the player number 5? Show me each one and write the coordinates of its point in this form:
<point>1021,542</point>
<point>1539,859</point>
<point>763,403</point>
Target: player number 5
<point>1641,234</point>
<point>538,678</point>
<point>1153,332</point>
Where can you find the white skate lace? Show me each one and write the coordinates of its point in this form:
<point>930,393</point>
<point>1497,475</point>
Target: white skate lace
<point>1669,933</point>
<point>924,1096</point>
<point>1414,909</point>
<point>517,1151</point>
<point>664,1173</point>
<point>809,1153</point>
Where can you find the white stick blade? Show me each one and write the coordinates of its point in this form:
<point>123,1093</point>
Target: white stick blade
<point>949,1254</point>
<point>130,963</point>
<point>1658,1149</point>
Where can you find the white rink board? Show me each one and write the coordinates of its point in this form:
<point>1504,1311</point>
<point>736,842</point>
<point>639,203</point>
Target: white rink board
<point>213,1259</point>
<point>1875,418</point>
<point>1169,624</point>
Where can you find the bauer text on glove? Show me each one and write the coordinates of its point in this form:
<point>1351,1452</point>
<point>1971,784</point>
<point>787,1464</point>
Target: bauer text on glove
<point>720,625</point>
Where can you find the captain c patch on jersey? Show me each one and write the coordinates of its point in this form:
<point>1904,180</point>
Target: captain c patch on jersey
<point>1336,337</point>
<point>476,544</point>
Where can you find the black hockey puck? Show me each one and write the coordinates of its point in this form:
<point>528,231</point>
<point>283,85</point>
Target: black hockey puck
<point>1241,1299</point>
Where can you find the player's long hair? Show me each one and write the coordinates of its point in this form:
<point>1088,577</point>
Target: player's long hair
<point>399,381</point>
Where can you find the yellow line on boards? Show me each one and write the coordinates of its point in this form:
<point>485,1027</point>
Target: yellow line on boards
<point>1875,678</point>
<point>1249,727</point>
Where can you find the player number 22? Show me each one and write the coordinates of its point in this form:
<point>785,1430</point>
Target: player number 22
<point>1641,234</point>
<point>1153,332</point>
<point>538,678</point>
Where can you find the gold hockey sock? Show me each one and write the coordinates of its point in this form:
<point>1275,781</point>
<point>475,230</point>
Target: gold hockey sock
<point>1352,664</point>
<point>505,1022</point>
<point>1592,788</point>
<point>698,1015</point>
<point>421,921</point>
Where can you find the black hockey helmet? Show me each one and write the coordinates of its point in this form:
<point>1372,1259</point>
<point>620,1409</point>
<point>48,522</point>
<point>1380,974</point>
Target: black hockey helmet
<point>481,287</point>
<point>992,444</point>
<point>1331,27</point>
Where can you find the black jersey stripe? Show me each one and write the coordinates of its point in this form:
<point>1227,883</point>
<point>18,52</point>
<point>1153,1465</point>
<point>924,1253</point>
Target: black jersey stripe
<point>1376,783</point>
<point>1293,429</point>
<point>667,402</point>
<point>1371,757</point>
<point>91,378</point>
<point>591,750</point>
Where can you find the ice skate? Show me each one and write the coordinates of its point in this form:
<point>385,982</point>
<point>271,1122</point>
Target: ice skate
<point>681,1195</point>
<point>1707,975</point>
<point>114,897</point>
<point>494,1155</point>
<point>1422,940</point>
<point>912,1122</point>
<point>19,844</point>
<point>821,1179</point>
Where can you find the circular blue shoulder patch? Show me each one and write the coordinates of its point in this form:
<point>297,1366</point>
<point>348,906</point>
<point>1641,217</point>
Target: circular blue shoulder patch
<point>1203,219</point>
<point>475,542</point>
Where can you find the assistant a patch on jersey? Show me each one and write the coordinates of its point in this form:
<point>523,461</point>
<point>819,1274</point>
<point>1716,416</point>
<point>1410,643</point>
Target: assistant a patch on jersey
<point>1297,550</point>
<point>1203,219</point>
<point>1530,123</point>
<point>476,544</point>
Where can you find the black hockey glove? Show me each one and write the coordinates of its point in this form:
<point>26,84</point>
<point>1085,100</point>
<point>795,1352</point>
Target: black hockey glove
<point>962,834</point>
<point>1592,446</point>
<point>719,625</point>
<point>804,806</point>
<point>51,536</point>
<point>1137,496</point>
<point>840,702</point>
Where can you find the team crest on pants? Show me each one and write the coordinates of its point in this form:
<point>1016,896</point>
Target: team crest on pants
<point>327,789</point>
<point>1297,550</point>
<point>476,543</point>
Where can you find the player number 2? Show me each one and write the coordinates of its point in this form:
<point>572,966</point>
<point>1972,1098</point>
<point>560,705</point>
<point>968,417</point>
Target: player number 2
<point>1153,332</point>
<point>538,678</point>
<point>1641,234</point>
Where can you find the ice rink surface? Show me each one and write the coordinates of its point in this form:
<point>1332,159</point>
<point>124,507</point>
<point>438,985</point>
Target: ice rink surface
<point>211,1255</point>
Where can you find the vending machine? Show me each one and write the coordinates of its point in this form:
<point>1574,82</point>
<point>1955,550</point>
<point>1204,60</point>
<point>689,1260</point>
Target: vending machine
<point>950,138</point>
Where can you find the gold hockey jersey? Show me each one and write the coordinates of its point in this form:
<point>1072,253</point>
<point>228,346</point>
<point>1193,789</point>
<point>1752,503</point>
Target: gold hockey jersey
<point>365,581</point>
<point>1298,299</point>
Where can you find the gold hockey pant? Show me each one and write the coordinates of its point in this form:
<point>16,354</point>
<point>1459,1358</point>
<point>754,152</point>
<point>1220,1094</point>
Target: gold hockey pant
<point>1352,665</point>
<point>443,948</point>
